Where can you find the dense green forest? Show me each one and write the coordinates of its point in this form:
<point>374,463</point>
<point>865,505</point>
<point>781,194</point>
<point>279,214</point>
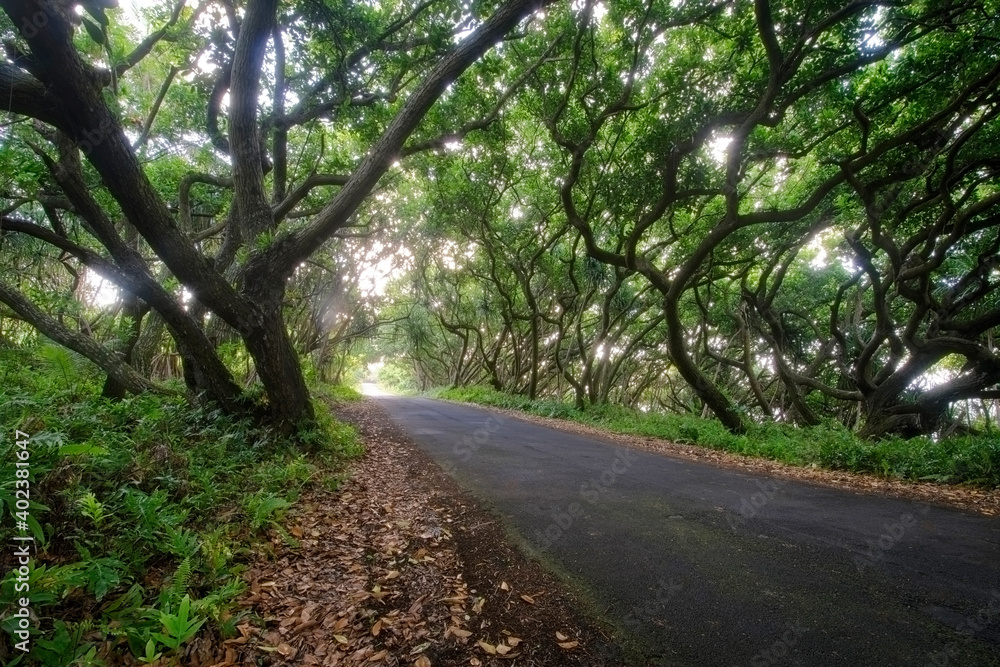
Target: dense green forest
<point>759,213</point>
<point>765,212</point>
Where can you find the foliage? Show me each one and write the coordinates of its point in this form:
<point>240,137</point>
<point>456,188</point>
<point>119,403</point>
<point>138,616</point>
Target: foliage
<point>780,212</point>
<point>782,216</point>
<point>198,151</point>
<point>338,393</point>
<point>151,508</point>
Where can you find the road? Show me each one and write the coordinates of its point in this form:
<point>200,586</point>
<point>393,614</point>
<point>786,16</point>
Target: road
<point>701,565</point>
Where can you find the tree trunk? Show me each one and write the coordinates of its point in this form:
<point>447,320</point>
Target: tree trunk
<point>150,339</point>
<point>703,388</point>
<point>886,415</point>
<point>881,422</point>
<point>134,309</point>
<point>881,407</point>
<point>533,374</point>
<point>276,361</point>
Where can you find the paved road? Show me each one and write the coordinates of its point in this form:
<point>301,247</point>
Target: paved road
<point>701,565</point>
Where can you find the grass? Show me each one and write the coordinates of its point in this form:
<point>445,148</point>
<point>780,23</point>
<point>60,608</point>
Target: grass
<point>145,512</point>
<point>973,460</point>
<point>336,393</point>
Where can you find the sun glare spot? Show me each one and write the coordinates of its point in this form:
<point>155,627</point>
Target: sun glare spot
<point>718,148</point>
<point>98,291</point>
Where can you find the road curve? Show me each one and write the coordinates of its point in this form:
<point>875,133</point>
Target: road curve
<point>701,565</point>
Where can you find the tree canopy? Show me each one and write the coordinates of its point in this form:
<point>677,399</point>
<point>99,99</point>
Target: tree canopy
<point>764,210</point>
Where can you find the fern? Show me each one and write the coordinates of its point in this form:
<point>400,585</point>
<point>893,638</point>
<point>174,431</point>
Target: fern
<point>61,364</point>
<point>179,585</point>
<point>265,508</point>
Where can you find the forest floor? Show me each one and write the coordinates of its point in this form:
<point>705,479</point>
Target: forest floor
<point>400,566</point>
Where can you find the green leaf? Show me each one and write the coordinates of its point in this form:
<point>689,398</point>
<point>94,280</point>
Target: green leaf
<point>98,13</point>
<point>82,448</point>
<point>180,627</point>
<point>95,31</point>
<point>151,655</point>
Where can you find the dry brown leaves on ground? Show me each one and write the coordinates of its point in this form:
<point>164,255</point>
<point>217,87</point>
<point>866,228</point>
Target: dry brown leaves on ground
<point>400,567</point>
<point>970,499</point>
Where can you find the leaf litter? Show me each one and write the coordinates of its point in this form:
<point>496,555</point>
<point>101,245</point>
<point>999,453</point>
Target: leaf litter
<point>401,567</point>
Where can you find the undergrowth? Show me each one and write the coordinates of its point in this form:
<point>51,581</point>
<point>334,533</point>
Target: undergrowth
<point>961,460</point>
<point>337,392</point>
<point>144,512</point>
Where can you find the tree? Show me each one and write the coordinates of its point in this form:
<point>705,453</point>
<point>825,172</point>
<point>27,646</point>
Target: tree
<point>385,70</point>
<point>702,141</point>
<point>810,188</point>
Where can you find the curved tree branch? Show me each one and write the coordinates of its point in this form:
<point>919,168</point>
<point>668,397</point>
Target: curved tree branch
<point>110,362</point>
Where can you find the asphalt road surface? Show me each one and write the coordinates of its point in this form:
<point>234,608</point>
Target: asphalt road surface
<point>701,565</point>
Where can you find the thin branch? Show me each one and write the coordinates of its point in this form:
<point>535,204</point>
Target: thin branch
<point>155,109</point>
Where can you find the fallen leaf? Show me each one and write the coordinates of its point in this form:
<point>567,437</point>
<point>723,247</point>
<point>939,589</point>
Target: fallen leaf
<point>422,661</point>
<point>421,647</point>
<point>504,586</point>
<point>489,648</point>
<point>377,628</point>
<point>568,645</point>
<point>392,574</point>
<point>513,641</point>
<point>341,639</point>
<point>308,625</point>
<point>561,637</point>
<point>528,599</point>
<point>458,632</point>
<point>503,650</point>
<point>478,607</point>
<point>378,656</point>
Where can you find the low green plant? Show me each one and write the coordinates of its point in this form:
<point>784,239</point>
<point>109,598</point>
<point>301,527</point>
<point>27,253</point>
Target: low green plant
<point>63,646</point>
<point>264,508</point>
<point>338,393</point>
<point>149,654</point>
<point>144,510</point>
<point>93,509</point>
<point>98,575</point>
<point>179,626</point>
